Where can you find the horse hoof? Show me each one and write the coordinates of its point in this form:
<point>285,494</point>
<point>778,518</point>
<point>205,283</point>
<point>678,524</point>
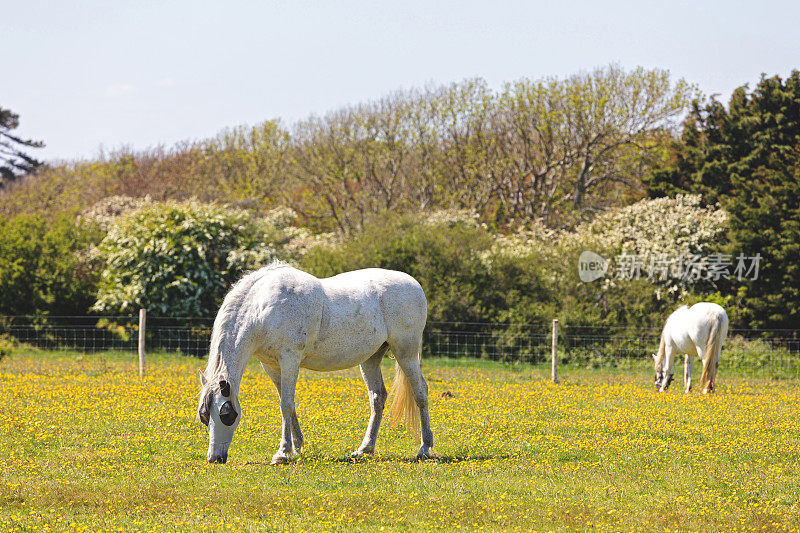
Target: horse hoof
<point>279,460</point>
<point>360,454</point>
<point>423,456</point>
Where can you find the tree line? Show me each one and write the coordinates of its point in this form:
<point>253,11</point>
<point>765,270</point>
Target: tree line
<point>557,150</point>
<point>532,173</point>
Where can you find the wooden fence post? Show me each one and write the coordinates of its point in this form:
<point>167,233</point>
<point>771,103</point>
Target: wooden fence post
<point>554,369</point>
<point>142,318</point>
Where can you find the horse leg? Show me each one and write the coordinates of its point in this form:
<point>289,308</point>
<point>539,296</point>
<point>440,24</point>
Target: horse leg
<point>705,358</point>
<point>669,367</point>
<point>713,385</point>
<point>371,372</point>
<point>297,434</point>
<point>712,374</point>
<point>688,363</point>
<point>407,355</point>
<point>290,368</point>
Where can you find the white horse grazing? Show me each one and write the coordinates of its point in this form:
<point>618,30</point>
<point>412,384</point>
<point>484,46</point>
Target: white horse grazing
<point>289,319</point>
<point>698,330</point>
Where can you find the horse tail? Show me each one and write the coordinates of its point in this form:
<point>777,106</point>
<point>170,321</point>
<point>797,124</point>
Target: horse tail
<point>404,407</point>
<point>716,336</point>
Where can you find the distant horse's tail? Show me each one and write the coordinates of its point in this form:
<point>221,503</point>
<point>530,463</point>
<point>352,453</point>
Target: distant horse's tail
<point>404,408</point>
<point>719,330</point>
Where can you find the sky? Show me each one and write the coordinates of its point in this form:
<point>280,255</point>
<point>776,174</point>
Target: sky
<point>87,76</point>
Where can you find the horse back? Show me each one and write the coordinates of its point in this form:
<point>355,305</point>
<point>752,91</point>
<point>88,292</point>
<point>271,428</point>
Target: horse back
<point>284,308</point>
<point>393,298</point>
<point>689,327</point>
<point>361,310</point>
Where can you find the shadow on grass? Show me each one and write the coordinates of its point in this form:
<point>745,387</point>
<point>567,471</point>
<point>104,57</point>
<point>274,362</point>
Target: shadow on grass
<point>436,459</point>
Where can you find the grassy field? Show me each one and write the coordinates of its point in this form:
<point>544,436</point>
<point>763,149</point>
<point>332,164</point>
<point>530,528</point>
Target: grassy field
<point>85,444</point>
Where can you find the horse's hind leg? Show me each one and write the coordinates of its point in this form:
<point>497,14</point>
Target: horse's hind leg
<point>407,355</point>
<point>371,372</point>
<point>712,374</point>
<point>705,358</point>
<point>688,363</point>
<point>297,434</point>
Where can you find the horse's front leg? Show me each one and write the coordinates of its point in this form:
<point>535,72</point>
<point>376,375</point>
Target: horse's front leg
<point>669,368</point>
<point>297,434</point>
<point>290,367</point>
<point>376,390</point>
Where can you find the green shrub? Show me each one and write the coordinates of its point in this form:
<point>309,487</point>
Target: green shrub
<point>442,252</point>
<point>6,346</point>
<point>44,265</point>
<point>750,354</point>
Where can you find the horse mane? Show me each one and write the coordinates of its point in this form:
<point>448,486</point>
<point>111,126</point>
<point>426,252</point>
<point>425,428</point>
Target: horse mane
<point>224,330</point>
<point>661,351</point>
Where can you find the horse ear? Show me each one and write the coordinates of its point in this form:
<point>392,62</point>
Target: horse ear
<point>205,409</point>
<point>225,388</point>
<point>203,380</point>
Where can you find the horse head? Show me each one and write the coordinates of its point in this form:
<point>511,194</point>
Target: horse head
<point>219,410</point>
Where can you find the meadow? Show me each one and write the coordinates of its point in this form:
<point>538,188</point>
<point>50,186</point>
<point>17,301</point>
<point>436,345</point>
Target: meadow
<point>88,445</point>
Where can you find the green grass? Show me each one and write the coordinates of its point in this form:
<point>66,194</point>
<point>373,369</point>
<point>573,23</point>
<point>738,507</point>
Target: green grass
<point>87,444</point>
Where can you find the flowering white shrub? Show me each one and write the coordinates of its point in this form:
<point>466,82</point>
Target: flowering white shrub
<point>536,238</point>
<point>672,227</point>
<point>179,258</point>
<point>453,217</point>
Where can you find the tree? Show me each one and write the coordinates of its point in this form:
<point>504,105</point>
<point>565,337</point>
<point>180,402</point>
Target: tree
<point>578,144</point>
<point>355,163</point>
<point>13,161</point>
<point>747,157</point>
<point>246,163</point>
<point>765,220</point>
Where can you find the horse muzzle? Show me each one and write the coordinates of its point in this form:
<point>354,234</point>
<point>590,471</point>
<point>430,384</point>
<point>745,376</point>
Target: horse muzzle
<point>218,458</point>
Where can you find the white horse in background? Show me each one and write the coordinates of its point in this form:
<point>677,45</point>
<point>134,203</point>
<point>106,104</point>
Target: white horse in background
<point>698,330</point>
<point>288,320</point>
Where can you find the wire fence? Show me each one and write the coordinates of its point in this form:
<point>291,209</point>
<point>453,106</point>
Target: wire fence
<point>759,353</point>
